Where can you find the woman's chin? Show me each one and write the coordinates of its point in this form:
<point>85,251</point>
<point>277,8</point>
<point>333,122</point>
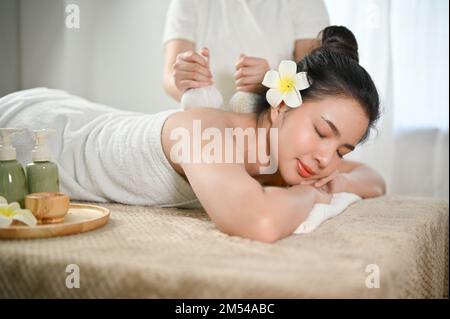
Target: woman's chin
<point>291,179</point>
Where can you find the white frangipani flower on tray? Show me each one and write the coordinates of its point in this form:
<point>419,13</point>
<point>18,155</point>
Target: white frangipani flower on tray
<point>285,84</point>
<point>11,212</point>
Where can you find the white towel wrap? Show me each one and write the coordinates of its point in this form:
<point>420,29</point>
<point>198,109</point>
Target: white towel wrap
<point>103,154</point>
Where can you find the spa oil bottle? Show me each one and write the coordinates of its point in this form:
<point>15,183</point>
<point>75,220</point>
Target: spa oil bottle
<point>42,174</point>
<point>13,183</point>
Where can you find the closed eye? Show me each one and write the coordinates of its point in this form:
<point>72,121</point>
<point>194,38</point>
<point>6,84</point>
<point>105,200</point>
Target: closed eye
<point>323,136</point>
<point>318,133</point>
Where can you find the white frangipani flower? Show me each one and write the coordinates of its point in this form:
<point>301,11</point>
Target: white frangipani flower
<point>11,212</point>
<point>285,84</point>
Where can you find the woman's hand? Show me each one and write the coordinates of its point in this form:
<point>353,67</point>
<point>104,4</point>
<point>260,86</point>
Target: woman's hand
<point>191,70</point>
<point>334,183</point>
<point>320,195</point>
<point>250,73</point>
<point>323,196</point>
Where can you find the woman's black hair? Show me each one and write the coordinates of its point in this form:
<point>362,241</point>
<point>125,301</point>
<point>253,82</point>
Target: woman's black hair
<point>334,69</point>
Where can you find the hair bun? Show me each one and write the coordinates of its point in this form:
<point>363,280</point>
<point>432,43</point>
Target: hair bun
<point>341,40</point>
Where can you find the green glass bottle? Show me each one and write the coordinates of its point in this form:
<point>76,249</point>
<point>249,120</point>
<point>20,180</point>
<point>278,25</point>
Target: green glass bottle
<point>13,183</point>
<point>42,174</point>
<point>42,177</point>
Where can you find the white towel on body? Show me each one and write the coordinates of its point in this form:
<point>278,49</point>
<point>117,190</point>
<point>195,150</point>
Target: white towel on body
<point>322,212</point>
<point>103,153</point>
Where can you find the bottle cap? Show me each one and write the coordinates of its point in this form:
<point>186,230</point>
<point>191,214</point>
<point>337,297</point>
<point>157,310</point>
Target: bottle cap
<point>7,151</point>
<point>40,152</point>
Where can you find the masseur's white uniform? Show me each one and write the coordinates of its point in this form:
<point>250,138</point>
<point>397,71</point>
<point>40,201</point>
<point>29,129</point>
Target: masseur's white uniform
<point>103,154</point>
<point>261,28</point>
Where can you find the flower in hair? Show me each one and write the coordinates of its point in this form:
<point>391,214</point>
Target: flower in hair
<point>285,84</point>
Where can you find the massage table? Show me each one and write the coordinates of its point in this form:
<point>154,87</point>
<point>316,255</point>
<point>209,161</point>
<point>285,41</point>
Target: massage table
<point>385,247</point>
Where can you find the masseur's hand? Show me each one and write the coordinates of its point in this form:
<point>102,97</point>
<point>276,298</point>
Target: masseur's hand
<point>250,73</point>
<point>191,70</point>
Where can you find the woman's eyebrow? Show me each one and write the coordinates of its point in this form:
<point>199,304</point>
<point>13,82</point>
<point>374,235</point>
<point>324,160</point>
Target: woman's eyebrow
<point>337,133</point>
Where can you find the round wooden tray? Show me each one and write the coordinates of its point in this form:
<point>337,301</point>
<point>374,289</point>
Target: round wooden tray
<point>80,218</point>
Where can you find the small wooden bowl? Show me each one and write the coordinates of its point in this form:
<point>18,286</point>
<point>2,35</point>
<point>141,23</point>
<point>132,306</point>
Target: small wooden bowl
<point>48,208</point>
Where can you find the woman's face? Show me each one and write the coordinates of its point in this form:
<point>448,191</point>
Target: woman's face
<point>314,137</point>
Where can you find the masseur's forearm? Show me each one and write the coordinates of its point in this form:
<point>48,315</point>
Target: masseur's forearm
<point>171,51</point>
<point>304,47</point>
<point>170,87</point>
<point>365,182</point>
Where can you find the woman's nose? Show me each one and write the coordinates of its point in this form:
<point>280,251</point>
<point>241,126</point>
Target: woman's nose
<point>324,156</point>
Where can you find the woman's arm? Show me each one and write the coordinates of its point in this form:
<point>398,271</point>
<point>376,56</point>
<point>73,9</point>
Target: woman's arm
<point>183,68</point>
<point>240,206</point>
<point>363,180</point>
<point>357,178</point>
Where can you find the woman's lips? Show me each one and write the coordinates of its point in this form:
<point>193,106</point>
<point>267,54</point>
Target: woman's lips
<point>304,170</point>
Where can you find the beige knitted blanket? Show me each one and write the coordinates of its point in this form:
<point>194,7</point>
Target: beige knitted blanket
<point>398,244</point>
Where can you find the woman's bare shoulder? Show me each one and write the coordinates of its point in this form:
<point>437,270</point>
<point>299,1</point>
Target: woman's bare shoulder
<point>207,117</point>
<point>191,124</point>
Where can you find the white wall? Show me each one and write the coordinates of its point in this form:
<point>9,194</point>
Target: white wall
<point>9,80</point>
<point>115,58</point>
<point>411,148</point>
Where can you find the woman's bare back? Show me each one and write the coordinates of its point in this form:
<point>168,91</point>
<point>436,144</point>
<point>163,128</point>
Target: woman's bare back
<point>222,121</point>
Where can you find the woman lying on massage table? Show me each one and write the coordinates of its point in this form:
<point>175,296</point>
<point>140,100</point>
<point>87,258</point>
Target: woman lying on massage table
<point>314,119</point>
<point>340,104</point>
